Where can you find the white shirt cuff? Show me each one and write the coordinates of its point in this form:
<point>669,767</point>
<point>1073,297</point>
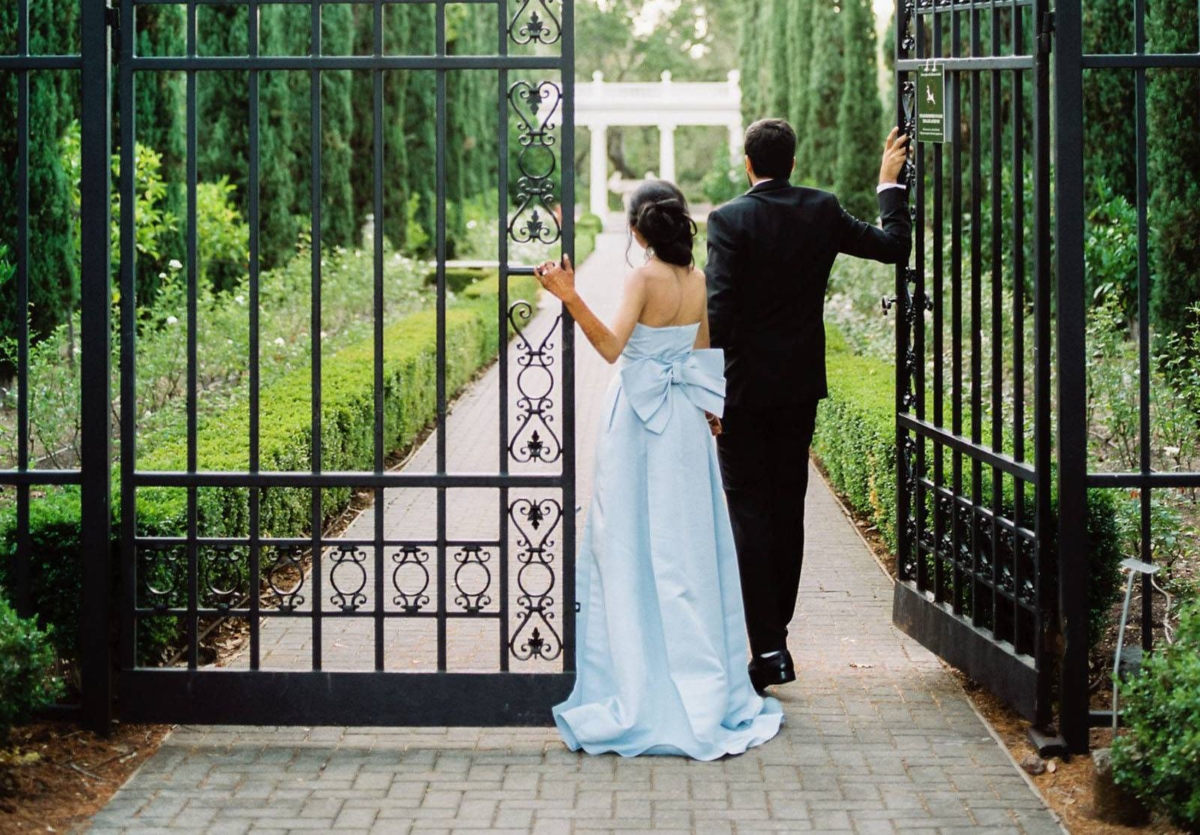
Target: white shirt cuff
<point>882,187</point>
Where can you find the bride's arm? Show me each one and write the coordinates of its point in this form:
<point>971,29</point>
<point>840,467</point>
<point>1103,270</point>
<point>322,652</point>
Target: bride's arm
<point>609,342</point>
<point>703,339</point>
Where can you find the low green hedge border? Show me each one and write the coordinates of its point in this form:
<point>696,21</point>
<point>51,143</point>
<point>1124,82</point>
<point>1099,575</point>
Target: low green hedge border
<point>347,408</point>
<point>855,441</point>
<point>27,661</point>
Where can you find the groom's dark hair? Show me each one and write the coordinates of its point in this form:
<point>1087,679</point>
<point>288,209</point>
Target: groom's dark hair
<point>771,146</point>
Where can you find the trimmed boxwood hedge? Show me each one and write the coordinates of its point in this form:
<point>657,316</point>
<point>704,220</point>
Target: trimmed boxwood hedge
<point>855,442</point>
<point>347,408</point>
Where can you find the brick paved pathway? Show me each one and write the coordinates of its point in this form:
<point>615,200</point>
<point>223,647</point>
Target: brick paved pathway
<point>879,738</point>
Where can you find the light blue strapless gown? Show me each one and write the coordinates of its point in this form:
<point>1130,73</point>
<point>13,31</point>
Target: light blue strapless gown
<point>661,636</point>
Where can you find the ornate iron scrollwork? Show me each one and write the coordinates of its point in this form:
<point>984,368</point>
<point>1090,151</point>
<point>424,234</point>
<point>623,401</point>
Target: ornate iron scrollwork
<point>410,560</point>
<point>535,439</point>
<point>223,575</point>
<point>472,563</point>
<point>284,579</point>
<point>348,560</point>
<point>908,41</point>
<point>535,28</point>
<point>536,106</point>
<point>162,568</point>
<point>535,523</point>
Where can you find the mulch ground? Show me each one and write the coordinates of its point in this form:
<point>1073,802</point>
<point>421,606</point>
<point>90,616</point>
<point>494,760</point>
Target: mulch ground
<point>54,776</point>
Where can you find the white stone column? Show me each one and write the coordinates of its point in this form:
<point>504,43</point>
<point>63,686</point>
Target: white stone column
<point>736,142</point>
<point>599,175</point>
<point>666,152</point>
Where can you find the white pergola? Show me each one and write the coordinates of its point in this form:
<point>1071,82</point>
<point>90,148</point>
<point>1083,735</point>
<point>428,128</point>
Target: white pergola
<point>666,105</point>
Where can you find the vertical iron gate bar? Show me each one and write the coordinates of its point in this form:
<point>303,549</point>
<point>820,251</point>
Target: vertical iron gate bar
<point>902,324</point>
<point>567,202</point>
<point>921,490</point>
<point>440,249</point>
<point>997,299</point>
<point>1018,308</point>
<point>976,317</point>
<point>128,383</point>
<point>377,244</point>
<point>317,496</point>
<point>1043,339</point>
<point>1072,387</point>
<point>956,303</point>
<point>1143,273</point>
<point>193,639</point>
<point>939,337</point>
<point>96,402</point>
<point>252,35</point>
<point>502,312</point>
<point>24,572</point>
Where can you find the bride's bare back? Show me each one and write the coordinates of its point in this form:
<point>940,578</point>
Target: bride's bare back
<point>674,295</point>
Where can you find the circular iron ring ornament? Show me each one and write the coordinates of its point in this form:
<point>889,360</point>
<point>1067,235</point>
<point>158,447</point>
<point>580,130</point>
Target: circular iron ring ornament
<point>285,565</point>
<point>415,559</point>
<point>348,559</point>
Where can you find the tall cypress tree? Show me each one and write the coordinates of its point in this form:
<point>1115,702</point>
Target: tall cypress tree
<point>780,53</point>
<point>283,110</point>
<point>53,104</point>
<point>859,113</point>
<point>1108,99</point>
<point>338,227</point>
<point>1174,149</point>
<point>750,55</point>
<point>799,33</point>
<point>818,158</point>
<point>420,126</point>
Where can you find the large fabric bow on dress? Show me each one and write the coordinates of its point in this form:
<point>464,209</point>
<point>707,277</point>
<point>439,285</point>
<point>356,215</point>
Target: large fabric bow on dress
<point>699,376</point>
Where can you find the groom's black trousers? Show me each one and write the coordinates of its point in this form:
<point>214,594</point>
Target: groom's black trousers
<point>764,464</point>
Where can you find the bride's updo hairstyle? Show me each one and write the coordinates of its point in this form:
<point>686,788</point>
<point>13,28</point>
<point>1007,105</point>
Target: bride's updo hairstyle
<point>659,211</point>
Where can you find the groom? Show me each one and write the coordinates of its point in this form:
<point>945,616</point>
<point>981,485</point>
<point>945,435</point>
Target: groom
<point>770,252</point>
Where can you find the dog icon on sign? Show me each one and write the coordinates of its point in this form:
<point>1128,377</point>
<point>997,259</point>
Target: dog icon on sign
<point>929,96</point>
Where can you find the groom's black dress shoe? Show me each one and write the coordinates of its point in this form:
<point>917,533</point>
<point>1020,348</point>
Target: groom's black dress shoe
<point>777,669</point>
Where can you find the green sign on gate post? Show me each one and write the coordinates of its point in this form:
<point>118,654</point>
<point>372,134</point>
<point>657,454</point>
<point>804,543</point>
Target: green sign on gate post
<point>932,123</point>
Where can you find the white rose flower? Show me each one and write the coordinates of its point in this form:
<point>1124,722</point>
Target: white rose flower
<point>279,341</point>
<point>171,320</point>
<point>174,264</point>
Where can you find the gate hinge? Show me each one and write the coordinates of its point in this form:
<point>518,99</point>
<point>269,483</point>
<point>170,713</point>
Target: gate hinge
<point>1046,34</point>
<point>112,16</point>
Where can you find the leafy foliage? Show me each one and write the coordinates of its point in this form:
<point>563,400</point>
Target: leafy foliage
<point>27,661</point>
<point>1174,148</point>
<point>1159,756</point>
<point>858,140</point>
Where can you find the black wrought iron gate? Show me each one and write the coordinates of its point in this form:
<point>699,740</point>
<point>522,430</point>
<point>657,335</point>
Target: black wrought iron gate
<point>492,614</point>
<point>975,515</point>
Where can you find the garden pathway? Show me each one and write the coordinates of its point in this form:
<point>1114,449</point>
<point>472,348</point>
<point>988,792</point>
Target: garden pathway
<point>879,737</point>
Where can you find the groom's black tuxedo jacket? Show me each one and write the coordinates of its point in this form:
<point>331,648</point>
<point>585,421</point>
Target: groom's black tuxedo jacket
<point>769,256</point>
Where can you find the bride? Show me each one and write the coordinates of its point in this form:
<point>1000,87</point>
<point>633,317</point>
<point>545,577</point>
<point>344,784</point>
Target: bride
<point>661,643</point>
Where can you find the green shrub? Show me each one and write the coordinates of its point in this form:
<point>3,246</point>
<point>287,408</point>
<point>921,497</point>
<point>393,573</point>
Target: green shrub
<point>1158,758</point>
<point>586,229</point>
<point>855,441</point>
<point>459,279</point>
<point>27,658</point>
<point>347,389</point>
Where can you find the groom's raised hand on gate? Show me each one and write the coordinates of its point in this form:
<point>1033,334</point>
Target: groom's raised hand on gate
<point>895,154</point>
